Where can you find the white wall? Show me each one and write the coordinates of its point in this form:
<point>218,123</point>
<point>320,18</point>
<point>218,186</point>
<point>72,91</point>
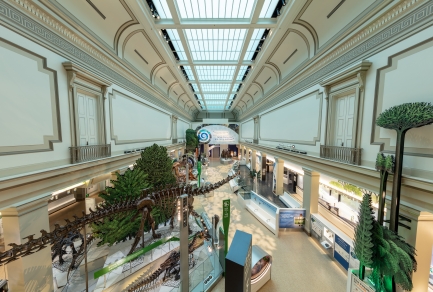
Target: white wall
<point>247,129</point>
<point>29,110</point>
<point>297,120</point>
<point>182,126</point>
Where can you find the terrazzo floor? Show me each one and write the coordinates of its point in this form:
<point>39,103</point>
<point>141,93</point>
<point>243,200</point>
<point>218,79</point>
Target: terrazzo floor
<point>299,264</point>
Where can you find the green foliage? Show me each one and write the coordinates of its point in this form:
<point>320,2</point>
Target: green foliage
<point>254,173</point>
<point>406,116</point>
<point>347,187</point>
<point>393,257</point>
<point>191,139</point>
<point>363,243</point>
<point>120,227</point>
<point>385,163</point>
<point>156,163</point>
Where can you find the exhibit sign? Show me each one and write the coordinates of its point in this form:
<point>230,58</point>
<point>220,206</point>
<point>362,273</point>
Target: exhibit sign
<point>342,252</point>
<point>292,218</point>
<point>358,285</point>
<point>238,263</point>
<point>226,221</point>
<point>217,134</point>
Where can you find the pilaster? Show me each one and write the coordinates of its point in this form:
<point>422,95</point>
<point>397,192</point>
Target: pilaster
<point>279,172</point>
<point>310,196</point>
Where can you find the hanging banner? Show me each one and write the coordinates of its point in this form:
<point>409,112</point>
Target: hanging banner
<point>217,134</point>
<point>226,221</point>
<point>341,252</point>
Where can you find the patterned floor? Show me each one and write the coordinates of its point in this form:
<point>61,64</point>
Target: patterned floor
<point>298,262</point>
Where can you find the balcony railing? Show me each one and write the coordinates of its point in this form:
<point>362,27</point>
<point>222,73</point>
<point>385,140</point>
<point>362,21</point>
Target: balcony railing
<point>91,152</point>
<point>342,154</point>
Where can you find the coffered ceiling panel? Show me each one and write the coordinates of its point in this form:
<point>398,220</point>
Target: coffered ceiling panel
<point>292,50</point>
<point>325,18</point>
<point>267,79</point>
<point>255,91</point>
<point>140,53</point>
<point>164,78</point>
<point>176,91</point>
<point>106,19</point>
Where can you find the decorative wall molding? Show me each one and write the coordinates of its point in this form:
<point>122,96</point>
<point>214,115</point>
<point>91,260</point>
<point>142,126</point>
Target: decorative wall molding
<point>241,129</point>
<point>402,20</point>
<point>315,139</point>
<point>47,145</point>
<point>121,142</point>
<point>62,40</point>
<point>378,100</point>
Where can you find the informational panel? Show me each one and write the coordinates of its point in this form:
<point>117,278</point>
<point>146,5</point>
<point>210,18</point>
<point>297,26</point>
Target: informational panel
<point>342,252</point>
<point>360,286</point>
<point>316,227</point>
<point>292,218</point>
<point>217,134</point>
<point>226,221</point>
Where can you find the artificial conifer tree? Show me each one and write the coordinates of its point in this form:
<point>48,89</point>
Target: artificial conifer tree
<point>157,165</point>
<point>385,165</point>
<point>363,235</point>
<point>120,227</point>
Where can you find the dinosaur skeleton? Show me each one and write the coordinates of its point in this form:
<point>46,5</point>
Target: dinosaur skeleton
<point>170,264</point>
<point>142,204</point>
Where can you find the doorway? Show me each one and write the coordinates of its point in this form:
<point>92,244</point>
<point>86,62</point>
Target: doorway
<point>87,120</point>
<point>344,121</point>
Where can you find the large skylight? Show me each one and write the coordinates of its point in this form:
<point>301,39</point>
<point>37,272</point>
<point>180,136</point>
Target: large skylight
<point>268,8</point>
<point>188,71</point>
<point>210,87</point>
<point>215,44</point>
<point>254,41</point>
<point>177,44</point>
<point>215,8</point>
<point>223,73</point>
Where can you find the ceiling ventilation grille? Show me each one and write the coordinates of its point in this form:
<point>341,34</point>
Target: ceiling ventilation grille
<point>96,9</point>
<point>335,8</point>
<point>291,55</point>
<point>268,79</point>
<point>141,57</point>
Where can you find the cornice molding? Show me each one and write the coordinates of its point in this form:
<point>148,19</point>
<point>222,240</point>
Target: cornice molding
<point>59,38</point>
<point>410,14</point>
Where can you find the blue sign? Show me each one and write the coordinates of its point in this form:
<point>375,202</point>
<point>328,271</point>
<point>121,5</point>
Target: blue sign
<point>342,252</point>
<point>292,218</point>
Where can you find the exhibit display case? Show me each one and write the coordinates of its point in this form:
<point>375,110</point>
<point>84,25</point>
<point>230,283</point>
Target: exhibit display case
<point>261,263</point>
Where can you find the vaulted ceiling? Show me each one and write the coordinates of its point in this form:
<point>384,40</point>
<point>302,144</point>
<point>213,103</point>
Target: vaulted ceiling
<point>215,55</point>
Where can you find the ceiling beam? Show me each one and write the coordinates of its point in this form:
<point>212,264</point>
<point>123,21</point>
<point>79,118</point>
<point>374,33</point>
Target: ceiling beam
<point>215,81</point>
<point>258,5</point>
<point>213,23</point>
<point>215,63</point>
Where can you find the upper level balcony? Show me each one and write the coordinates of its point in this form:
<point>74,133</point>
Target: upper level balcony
<point>341,154</point>
<point>90,152</point>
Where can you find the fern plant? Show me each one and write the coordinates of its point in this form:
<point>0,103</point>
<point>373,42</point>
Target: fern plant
<point>363,243</point>
<point>120,227</point>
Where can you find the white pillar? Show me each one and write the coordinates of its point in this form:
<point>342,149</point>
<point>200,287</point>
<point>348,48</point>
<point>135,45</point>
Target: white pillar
<point>254,160</point>
<point>279,168</point>
<point>206,150</point>
<point>263,164</point>
<point>310,196</point>
<point>242,149</point>
<point>33,272</point>
<point>247,156</point>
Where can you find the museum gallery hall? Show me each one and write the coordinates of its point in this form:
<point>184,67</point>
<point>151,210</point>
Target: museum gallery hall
<point>216,145</point>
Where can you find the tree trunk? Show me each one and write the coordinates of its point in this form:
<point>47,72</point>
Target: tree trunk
<point>382,196</point>
<point>361,272</point>
<point>396,183</point>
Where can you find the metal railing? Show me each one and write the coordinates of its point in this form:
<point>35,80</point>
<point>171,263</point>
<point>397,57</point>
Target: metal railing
<point>91,152</point>
<point>342,154</point>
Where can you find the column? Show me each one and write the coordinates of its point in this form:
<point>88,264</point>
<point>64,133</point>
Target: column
<point>247,156</point>
<point>256,130</point>
<point>174,129</point>
<point>33,272</point>
<point>311,196</point>
<point>263,166</point>
<point>279,172</point>
<point>254,160</point>
<point>206,150</point>
<point>242,149</point>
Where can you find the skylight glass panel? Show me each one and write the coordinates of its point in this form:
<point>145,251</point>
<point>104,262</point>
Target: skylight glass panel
<point>215,107</point>
<point>215,44</point>
<point>215,102</point>
<point>195,87</point>
<point>241,74</point>
<point>252,46</point>
<point>215,96</point>
<point>223,73</point>
<point>188,71</point>
<point>268,8</point>
<point>162,8</point>
<point>199,97</point>
<point>215,8</point>
<point>215,87</point>
<point>177,44</point>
